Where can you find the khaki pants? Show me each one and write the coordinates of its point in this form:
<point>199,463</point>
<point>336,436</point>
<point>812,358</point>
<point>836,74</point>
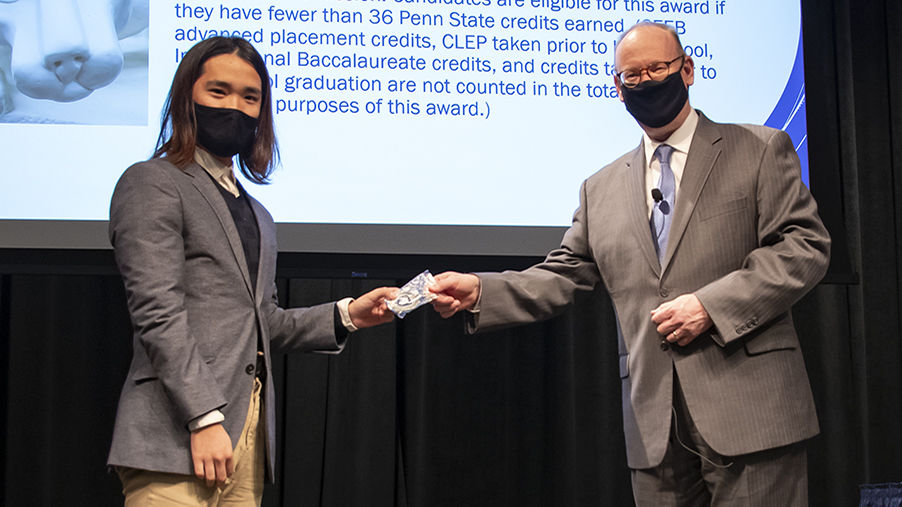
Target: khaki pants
<point>245,487</point>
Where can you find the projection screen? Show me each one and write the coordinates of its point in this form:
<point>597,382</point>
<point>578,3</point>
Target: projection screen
<point>405,126</point>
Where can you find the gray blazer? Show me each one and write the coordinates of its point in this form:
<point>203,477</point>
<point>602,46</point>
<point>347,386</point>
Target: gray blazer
<point>195,315</point>
<point>746,239</point>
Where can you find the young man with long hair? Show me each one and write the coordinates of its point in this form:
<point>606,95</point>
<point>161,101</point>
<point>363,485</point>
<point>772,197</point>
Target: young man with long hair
<point>195,423</point>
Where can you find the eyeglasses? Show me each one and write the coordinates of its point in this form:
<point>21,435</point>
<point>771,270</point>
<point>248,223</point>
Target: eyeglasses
<point>657,71</point>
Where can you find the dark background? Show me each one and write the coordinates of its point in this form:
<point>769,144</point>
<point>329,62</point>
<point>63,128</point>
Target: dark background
<point>415,413</point>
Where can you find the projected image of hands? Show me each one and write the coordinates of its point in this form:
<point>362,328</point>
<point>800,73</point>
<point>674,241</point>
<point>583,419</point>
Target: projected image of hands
<point>73,61</point>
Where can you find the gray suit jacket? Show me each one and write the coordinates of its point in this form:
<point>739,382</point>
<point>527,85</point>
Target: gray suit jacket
<point>746,239</point>
<point>195,315</point>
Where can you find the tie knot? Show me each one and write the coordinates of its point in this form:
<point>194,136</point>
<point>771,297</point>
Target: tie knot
<point>663,152</point>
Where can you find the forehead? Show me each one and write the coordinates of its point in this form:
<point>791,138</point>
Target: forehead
<point>230,68</point>
<point>644,45</point>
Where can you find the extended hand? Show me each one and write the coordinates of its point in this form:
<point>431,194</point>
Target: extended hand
<point>682,319</point>
<point>455,291</point>
<point>369,309</point>
<point>211,451</point>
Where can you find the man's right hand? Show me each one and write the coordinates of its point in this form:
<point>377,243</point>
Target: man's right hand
<point>455,291</point>
<point>211,451</point>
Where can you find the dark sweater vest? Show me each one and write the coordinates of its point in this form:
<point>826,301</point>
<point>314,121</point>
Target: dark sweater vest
<point>246,223</point>
<point>249,231</point>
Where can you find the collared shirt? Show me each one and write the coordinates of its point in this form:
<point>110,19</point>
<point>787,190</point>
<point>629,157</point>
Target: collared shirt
<point>223,174</point>
<point>680,141</point>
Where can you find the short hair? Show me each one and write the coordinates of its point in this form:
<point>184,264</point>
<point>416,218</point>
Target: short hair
<point>667,28</point>
<point>178,126</point>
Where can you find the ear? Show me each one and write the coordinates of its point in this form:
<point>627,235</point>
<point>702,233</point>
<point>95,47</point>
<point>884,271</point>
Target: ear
<point>617,84</point>
<point>688,71</point>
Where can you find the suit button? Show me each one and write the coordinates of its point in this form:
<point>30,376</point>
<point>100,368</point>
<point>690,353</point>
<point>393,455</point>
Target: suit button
<point>664,293</point>
<point>664,345</point>
<point>249,369</point>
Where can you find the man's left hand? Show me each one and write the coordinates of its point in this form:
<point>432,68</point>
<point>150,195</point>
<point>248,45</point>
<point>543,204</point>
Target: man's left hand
<point>681,320</point>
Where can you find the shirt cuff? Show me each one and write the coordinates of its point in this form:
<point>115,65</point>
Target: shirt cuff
<point>478,302</point>
<point>345,314</point>
<point>210,418</point>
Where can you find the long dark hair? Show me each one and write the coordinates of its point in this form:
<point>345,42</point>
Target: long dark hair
<point>178,126</point>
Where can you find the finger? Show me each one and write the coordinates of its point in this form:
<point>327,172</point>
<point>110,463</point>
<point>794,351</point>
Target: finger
<point>442,300</point>
<point>199,469</point>
<point>230,466</point>
<point>656,316</point>
<point>385,317</point>
<point>383,293</point>
<point>681,336</point>
<point>661,313</point>
<point>221,474</point>
<point>444,282</point>
<point>209,472</point>
<point>451,310</point>
<point>666,327</point>
<point>442,276</point>
<point>687,336</point>
<point>445,303</point>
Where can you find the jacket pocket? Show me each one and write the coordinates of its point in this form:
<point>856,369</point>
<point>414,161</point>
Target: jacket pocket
<point>146,373</point>
<point>780,335</point>
<point>723,208</point>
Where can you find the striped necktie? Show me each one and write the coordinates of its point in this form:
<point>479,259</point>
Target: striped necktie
<point>662,212</point>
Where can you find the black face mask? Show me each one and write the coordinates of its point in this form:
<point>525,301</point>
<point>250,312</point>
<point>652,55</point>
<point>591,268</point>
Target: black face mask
<point>656,103</point>
<point>224,132</point>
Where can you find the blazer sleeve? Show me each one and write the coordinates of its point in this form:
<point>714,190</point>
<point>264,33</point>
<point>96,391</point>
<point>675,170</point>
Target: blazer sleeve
<point>146,231</point>
<point>792,254</point>
<point>544,290</point>
<point>304,329</point>
<point>311,329</point>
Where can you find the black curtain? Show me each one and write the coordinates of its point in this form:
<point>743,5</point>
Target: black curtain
<point>67,358</point>
<point>526,416</point>
<point>871,115</point>
<point>418,414</point>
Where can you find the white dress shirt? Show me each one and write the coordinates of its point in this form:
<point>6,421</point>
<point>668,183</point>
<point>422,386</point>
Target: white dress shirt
<point>680,141</point>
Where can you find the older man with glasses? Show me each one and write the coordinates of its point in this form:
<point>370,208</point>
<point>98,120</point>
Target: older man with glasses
<point>704,236</point>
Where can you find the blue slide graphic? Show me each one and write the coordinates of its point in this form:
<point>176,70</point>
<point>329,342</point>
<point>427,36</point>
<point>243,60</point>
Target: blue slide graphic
<point>789,113</point>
